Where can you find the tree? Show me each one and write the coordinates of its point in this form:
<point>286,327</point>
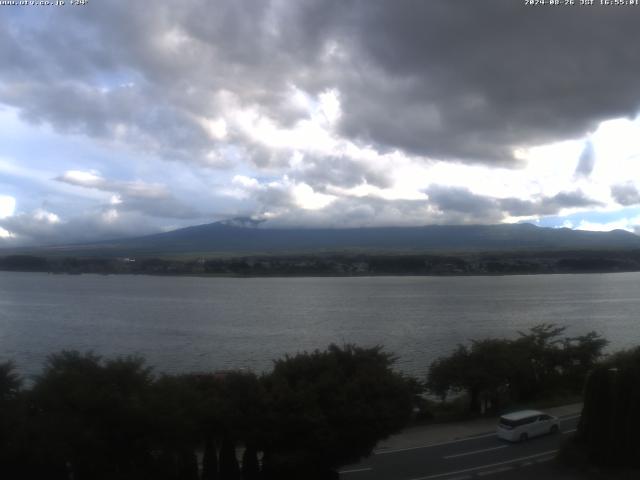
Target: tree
<point>483,372</point>
<point>610,420</point>
<point>539,362</point>
<point>10,381</point>
<point>90,415</point>
<point>229,468</point>
<point>579,356</point>
<point>250,464</point>
<point>330,408</point>
<point>210,460</point>
<point>447,374</point>
<point>13,437</point>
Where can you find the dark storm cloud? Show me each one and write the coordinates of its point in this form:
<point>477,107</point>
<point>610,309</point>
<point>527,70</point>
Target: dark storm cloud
<point>625,194</point>
<point>586,162</point>
<point>463,80</point>
<point>473,80</point>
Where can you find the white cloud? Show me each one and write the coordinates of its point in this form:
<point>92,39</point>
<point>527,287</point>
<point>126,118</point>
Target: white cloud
<point>306,198</point>
<point>43,216</point>
<point>7,206</point>
<point>628,224</point>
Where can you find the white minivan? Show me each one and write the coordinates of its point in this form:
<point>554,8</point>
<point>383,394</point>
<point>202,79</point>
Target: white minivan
<point>525,424</point>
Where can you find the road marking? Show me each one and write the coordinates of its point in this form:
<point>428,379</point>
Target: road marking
<point>355,470</point>
<point>494,471</point>
<point>569,417</point>
<point>564,432</point>
<point>465,439</point>
<point>475,451</point>
<point>440,475</point>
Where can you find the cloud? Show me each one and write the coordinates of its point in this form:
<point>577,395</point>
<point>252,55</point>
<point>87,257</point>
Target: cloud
<point>436,78</point>
<point>464,80</point>
<point>282,201</point>
<point>7,206</point>
<point>41,227</point>
<point>586,162</point>
<point>340,171</point>
<point>625,194</point>
<point>150,199</point>
<point>373,112</point>
<point>626,223</point>
<point>547,205</point>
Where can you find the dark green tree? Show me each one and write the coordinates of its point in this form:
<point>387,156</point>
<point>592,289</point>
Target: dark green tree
<point>10,381</point>
<point>13,423</point>
<point>483,372</point>
<point>229,467</point>
<point>447,374</point>
<point>610,421</point>
<point>210,460</point>
<point>250,464</point>
<point>330,408</point>
<point>90,415</point>
<point>538,362</point>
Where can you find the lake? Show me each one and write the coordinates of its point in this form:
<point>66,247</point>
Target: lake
<point>195,323</point>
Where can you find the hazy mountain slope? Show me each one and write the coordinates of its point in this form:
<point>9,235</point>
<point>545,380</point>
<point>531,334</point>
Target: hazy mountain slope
<point>225,238</point>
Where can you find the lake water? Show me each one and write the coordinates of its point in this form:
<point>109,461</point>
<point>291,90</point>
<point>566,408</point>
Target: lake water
<point>194,324</point>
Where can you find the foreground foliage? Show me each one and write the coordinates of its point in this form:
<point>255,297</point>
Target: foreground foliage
<point>89,418</point>
<point>610,421</point>
<point>495,371</point>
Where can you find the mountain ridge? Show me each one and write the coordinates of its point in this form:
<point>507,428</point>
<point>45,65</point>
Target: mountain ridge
<point>245,237</point>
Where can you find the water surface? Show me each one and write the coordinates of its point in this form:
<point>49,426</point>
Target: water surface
<point>195,323</point>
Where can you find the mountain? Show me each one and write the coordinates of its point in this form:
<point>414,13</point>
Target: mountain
<point>240,237</point>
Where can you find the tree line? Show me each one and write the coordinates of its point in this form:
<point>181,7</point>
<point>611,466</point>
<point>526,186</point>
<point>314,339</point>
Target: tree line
<point>337,264</point>
<point>609,426</point>
<point>85,417</point>
<point>495,372</point>
<point>91,418</point>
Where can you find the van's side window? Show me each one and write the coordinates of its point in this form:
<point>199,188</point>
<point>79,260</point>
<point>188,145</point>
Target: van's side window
<point>530,420</point>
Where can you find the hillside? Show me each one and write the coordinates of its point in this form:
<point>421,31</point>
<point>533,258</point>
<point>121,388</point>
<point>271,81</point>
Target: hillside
<point>231,238</point>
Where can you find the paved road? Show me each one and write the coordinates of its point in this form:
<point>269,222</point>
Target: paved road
<point>474,457</point>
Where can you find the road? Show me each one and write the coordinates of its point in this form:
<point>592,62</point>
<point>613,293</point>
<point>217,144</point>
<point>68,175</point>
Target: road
<point>474,457</point>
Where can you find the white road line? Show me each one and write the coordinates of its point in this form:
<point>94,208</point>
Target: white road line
<point>355,470</point>
<point>569,417</point>
<point>544,460</point>
<point>494,471</point>
<point>475,451</point>
<point>564,432</point>
<point>465,439</point>
<point>480,467</point>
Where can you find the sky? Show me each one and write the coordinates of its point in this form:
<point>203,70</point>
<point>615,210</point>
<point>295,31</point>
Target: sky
<point>122,118</point>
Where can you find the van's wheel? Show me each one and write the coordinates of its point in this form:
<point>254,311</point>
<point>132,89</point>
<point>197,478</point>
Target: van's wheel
<point>554,429</point>
<point>524,437</point>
